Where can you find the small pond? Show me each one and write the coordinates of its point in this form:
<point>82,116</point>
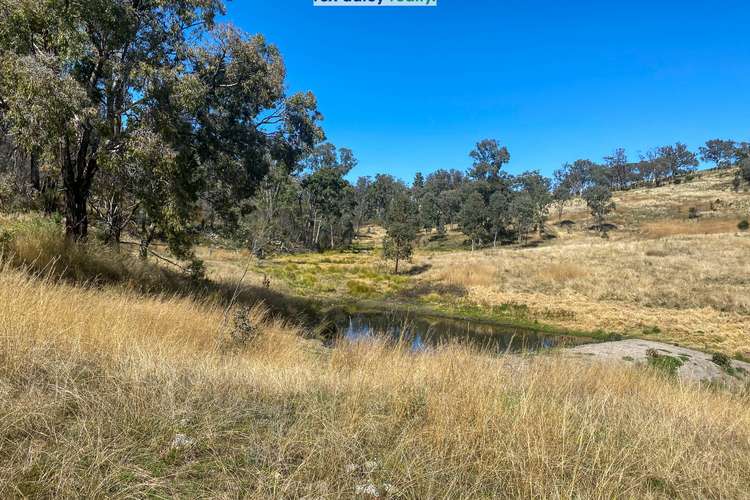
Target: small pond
<point>424,332</point>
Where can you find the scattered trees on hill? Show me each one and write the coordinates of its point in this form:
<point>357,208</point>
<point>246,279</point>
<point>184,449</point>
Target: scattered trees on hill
<point>150,118</point>
<point>667,161</point>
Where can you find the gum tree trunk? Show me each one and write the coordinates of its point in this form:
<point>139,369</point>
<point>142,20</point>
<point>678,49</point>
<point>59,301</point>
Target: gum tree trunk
<point>77,174</point>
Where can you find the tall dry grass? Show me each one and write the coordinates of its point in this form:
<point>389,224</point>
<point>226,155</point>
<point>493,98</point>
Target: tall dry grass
<point>38,245</point>
<point>676,227</point>
<point>693,287</point>
<point>110,393</point>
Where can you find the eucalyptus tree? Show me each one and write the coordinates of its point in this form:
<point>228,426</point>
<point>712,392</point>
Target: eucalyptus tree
<point>499,214</point>
<point>450,203</point>
<point>329,194</point>
<point>87,82</point>
<point>742,160</point>
<point>562,192</point>
<point>384,188</point>
<point>441,198</point>
<point>417,184</point>
<point>654,167</point>
<point>523,208</point>
<point>402,227</point>
<point>536,188</point>
<point>720,152</point>
<point>272,224</point>
<point>678,159</point>
<point>363,204</point>
<point>430,213</point>
<point>489,158</point>
<point>244,123</point>
<point>473,219</point>
<point>77,75</point>
<point>579,175</point>
<point>621,172</point>
<point>599,200</point>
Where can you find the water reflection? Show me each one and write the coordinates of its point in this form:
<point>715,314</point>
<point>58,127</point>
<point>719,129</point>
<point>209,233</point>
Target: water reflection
<point>423,333</point>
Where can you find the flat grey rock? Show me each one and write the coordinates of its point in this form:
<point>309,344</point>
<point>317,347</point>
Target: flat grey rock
<point>696,365</point>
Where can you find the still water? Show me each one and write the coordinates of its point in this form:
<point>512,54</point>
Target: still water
<point>425,332</point>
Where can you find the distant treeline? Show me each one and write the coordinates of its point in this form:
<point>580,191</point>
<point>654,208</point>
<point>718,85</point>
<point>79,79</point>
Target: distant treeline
<point>152,119</point>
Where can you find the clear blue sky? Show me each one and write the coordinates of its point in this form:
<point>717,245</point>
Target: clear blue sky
<point>412,89</point>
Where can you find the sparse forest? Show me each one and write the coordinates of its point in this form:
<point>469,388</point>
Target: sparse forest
<point>156,122</point>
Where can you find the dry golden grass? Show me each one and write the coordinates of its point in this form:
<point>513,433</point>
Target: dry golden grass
<point>108,392</point>
<point>96,385</point>
<point>693,288</point>
<point>672,227</point>
<point>560,272</point>
<point>663,211</point>
<point>658,269</point>
<point>37,244</point>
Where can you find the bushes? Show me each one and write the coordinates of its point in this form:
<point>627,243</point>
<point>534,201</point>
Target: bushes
<point>722,360</point>
<point>663,362</point>
<point>743,225</point>
<point>246,326</point>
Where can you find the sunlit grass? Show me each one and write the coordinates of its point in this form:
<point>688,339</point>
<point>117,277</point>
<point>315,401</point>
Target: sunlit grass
<point>113,390</point>
<point>97,385</point>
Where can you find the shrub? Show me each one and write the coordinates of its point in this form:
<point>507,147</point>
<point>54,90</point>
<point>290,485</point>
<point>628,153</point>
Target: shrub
<point>652,330</point>
<point>196,270</point>
<point>743,225</point>
<point>5,240</point>
<point>721,359</point>
<point>246,328</point>
<point>693,213</point>
<point>662,362</point>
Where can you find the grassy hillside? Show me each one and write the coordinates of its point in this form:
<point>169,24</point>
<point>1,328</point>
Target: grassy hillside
<point>691,290</point>
<point>659,275</point>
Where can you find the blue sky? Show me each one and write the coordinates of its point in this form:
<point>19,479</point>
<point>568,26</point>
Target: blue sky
<point>412,89</point>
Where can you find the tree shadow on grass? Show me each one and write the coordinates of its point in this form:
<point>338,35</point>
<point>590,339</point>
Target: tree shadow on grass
<point>417,270</point>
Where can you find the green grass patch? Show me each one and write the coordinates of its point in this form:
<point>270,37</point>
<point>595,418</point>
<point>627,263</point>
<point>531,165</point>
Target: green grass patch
<point>664,362</point>
<point>652,330</point>
<point>358,288</point>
